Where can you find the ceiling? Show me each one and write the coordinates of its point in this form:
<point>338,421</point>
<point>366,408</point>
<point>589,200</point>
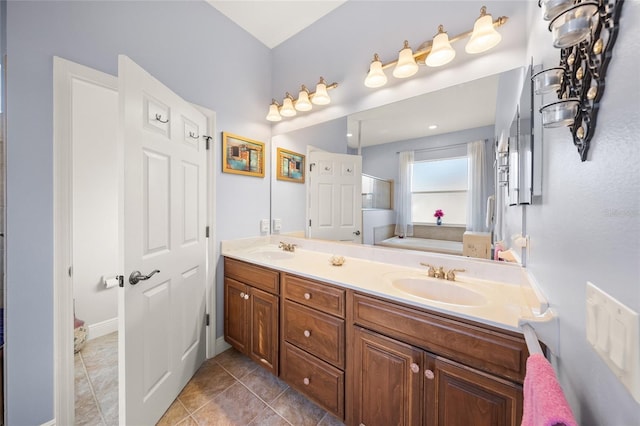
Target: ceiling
<point>463,106</point>
<point>273,22</point>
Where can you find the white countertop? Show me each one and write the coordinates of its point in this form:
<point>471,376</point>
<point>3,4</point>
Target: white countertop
<point>510,297</point>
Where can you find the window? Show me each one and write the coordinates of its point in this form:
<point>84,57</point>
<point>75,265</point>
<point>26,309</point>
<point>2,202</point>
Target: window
<point>439,184</point>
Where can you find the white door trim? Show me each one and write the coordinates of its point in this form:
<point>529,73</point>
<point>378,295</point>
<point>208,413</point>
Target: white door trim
<point>64,72</point>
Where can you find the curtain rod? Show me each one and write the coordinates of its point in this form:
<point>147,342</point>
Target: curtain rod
<point>438,148</point>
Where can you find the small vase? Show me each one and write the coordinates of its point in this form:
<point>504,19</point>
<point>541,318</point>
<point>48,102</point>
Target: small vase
<point>438,221</point>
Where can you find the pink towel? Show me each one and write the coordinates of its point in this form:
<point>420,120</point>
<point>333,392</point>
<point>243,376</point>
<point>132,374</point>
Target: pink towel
<point>544,402</point>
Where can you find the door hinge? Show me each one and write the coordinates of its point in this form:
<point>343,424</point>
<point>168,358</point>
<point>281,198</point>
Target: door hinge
<point>311,166</point>
<point>309,223</point>
<point>207,140</point>
<point>70,271</point>
<point>206,232</point>
<point>206,319</point>
<point>120,280</point>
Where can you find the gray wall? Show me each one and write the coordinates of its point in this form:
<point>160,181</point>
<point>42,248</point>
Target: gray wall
<point>191,48</point>
<point>587,226</point>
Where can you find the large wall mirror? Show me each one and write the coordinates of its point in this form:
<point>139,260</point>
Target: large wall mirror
<point>478,110</point>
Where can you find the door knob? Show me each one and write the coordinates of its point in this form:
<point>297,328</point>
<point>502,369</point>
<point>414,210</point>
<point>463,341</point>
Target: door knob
<point>356,232</point>
<point>136,276</point>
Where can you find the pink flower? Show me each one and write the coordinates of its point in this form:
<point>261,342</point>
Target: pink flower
<point>438,213</point>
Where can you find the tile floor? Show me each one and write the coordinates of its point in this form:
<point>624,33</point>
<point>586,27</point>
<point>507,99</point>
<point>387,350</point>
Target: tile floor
<point>227,390</point>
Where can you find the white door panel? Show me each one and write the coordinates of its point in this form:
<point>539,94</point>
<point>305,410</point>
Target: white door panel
<point>335,200</point>
<point>162,318</point>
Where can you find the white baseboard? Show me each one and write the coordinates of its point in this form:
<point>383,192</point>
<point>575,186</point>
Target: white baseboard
<point>102,328</point>
<point>221,345</point>
<point>51,422</point>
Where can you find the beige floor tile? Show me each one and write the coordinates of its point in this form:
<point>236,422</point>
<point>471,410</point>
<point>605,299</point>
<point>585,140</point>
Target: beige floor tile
<point>264,384</point>
<point>174,415</point>
<point>236,363</point>
<point>208,382</point>
<point>189,421</point>
<point>235,406</point>
<point>297,409</point>
<point>268,417</point>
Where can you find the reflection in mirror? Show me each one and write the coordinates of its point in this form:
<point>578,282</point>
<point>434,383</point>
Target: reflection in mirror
<point>479,110</point>
<point>377,193</point>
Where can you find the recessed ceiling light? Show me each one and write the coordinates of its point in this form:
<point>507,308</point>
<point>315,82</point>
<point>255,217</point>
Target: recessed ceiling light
<point>433,126</point>
<point>349,135</point>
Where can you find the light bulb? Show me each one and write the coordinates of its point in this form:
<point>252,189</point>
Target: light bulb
<point>321,97</point>
<point>303,103</point>
<point>376,76</point>
<point>274,114</point>
<point>484,35</point>
<point>287,109</point>
<point>441,51</point>
<point>406,66</point>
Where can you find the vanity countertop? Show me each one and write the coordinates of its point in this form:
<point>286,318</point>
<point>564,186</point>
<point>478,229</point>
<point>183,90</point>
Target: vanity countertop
<point>510,297</point>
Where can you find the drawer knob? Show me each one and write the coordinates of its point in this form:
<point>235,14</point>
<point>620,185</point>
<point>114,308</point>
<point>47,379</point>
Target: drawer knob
<point>242,295</point>
<point>246,297</point>
<point>429,374</point>
<point>414,367</point>
<point>307,296</point>
<point>307,333</point>
<point>306,381</point>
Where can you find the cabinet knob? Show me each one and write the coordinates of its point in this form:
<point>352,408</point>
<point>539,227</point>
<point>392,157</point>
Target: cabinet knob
<point>246,297</point>
<point>306,381</point>
<point>414,367</point>
<point>429,374</point>
<point>242,295</point>
<point>307,296</point>
<point>307,333</point>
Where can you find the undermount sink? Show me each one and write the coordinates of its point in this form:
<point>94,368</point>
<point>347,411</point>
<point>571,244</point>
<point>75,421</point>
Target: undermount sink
<point>272,253</point>
<point>439,291</point>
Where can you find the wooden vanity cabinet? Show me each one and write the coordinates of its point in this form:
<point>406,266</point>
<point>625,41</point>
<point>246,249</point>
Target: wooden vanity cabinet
<point>313,341</point>
<point>396,378</point>
<point>251,311</point>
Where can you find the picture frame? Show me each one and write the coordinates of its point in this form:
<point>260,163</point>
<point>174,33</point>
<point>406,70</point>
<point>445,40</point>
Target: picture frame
<point>242,156</point>
<point>290,166</point>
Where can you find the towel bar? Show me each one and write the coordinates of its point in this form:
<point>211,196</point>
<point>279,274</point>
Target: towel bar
<point>532,339</point>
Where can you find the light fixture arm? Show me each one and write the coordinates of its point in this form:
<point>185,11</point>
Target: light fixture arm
<point>425,48</point>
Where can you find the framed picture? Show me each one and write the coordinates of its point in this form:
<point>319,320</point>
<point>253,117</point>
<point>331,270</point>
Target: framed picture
<point>242,156</point>
<point>290,166</point>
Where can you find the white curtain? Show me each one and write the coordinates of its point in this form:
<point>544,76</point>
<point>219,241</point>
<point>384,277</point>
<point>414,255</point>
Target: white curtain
<point>478,187</point>
<point>404,227</point>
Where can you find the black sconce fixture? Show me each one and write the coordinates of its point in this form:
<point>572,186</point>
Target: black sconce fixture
<point>585,31</point>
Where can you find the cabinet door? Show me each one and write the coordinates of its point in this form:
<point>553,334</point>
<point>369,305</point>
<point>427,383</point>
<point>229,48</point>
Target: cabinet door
<point>236,330</point>
<point>387,381</point>
<point>456,395</point>
<point>264,308</point>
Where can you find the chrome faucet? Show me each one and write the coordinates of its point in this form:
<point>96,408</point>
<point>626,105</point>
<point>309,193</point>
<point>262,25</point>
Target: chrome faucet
<point>287,246</point>
<point>451,275</point>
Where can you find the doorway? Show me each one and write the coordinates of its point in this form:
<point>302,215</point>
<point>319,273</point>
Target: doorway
<point>89,220</point>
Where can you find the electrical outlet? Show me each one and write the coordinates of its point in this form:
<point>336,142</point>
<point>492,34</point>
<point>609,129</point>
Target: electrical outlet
<point>264,226</point>
<point>277,225</point>
<point>613,331</point>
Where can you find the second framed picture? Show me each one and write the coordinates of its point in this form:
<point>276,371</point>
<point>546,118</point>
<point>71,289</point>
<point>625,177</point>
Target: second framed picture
<point>290,166</point>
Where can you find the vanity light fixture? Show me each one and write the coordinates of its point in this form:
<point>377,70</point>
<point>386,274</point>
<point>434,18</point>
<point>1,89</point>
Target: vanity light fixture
<point>585,32</point>
<point>437,52</point>
<point>305,101</point>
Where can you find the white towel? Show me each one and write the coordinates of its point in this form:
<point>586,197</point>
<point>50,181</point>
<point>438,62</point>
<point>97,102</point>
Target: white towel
<point>490,211</point>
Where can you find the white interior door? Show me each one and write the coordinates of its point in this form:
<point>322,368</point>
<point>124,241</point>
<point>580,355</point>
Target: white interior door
<point>162,318</point>
<point>335,196</point>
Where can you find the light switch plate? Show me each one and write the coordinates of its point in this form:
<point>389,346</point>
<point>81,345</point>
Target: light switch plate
<point>613,330</point>
<point>264,226</point>
<point>277,225</point>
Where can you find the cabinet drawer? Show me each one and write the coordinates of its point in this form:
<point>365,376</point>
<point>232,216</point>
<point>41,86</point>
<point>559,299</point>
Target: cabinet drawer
<point>315,332</point>
<point>256,276</point>
<point>314,294</point>
<point>318,380</point>
<point>485,349</point>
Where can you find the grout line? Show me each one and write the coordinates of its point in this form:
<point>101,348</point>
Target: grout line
<point>93,393</point>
